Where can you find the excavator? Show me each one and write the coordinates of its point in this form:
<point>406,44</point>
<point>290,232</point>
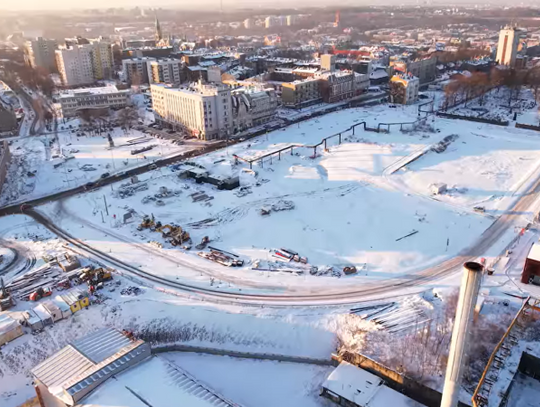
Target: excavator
<point>180,237</point>
<point>167,230</point>
<point>149,223</point>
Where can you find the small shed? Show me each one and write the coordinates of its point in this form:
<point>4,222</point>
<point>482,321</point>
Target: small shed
<point>33,321</point>
<point>438,188</point>
<point>76,299</point>
<point>43,314</point>
<point>53,310</point>
<point>69,262</point>
<point>64,308</point>
<point>9,329</point>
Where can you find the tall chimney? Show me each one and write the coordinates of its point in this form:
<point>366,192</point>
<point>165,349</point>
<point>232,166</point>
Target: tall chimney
<point>468,294</point>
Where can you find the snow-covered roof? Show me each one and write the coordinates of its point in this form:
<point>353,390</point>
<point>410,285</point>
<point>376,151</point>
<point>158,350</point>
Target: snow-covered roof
<point>534,253</point>
<point>168,382</point>
<point>378,74</point>
<point>7,324</point>
<point>364,388</point>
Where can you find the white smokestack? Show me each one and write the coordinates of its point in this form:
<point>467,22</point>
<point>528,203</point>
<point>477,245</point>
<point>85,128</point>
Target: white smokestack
<point>468,294</point>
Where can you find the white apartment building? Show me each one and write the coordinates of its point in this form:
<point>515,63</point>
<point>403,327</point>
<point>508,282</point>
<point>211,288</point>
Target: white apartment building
<point>274,21</point>
<point>166,70</point>
<point>508,45</point>
<point>75,65</point>
<point>292,20</point>
<point>203,109</point>
<point>41,53</point>
<point>249,23</point>
<point>136,70</point>
<point>75,100</point>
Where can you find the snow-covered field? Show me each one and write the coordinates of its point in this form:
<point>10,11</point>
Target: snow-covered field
<point>352,202</point>
<point>40,166</point>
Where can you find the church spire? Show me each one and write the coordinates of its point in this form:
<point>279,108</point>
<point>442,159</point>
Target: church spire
<point>158,34</point>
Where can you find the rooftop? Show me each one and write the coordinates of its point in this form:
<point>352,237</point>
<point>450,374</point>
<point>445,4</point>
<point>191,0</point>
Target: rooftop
<point>364,388</point>
<point>168,383</point>
<point>105,90</point>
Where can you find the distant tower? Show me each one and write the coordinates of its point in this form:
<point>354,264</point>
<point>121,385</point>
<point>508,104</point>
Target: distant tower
<point>508,46</point>
<point>336,23</point>
<point>158,34</point>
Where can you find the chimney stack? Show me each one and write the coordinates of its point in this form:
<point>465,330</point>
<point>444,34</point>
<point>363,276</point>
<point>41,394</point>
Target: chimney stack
<point>468,294</point>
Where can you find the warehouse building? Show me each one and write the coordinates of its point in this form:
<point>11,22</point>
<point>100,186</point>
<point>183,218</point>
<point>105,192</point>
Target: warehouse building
<point>77,369</point>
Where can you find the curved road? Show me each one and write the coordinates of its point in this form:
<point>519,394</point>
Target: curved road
<point>331,296</point>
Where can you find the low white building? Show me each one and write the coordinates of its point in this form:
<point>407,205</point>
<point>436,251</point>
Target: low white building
<point>351,386</point>
<point>72,101</point>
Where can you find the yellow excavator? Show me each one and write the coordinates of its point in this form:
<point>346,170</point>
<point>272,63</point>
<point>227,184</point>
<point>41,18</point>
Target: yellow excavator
<point>180,237</point>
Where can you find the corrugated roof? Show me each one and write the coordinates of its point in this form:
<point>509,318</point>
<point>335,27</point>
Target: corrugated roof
<point>101,344</point>
<point>61,366</point>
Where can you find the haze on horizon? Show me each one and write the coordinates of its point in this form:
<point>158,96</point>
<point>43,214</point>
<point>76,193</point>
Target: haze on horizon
<point>228,4</point>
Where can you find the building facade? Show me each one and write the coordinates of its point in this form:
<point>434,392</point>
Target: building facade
<point>507,46</point>
<point>202,109</point>
<point>252,107</point>
<point>102,59</point>
<point>404,89</point>
<point>135,70</point>
<point>298,94</point>
<point>72,102</point>
<point>166,70</point>
<point>8,120</point>
<point>41,53</point>
<point>75,65</point>
<point>424,69</point>
<point>5,157</point>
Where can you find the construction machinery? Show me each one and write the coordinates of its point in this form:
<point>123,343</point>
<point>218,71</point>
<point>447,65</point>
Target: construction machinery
<point>205,240</point>
<point>149,223</point>
<point>95,276</point>
<point>6,300</point>
<point>166,230</point>
<point>180,237</point>
<point>40,293</point>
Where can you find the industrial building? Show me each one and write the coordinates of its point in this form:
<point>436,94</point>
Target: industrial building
<point>351,386</point>
<point>77,369</point>
<point>70,376</point>
<point>73,101</point>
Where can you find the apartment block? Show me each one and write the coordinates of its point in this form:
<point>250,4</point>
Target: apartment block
<point>204,110</point>
<point>136,70</point>
<point>41,53</point>
<point>75,65</point>
<point>166,70</point>
<point>404,89</point>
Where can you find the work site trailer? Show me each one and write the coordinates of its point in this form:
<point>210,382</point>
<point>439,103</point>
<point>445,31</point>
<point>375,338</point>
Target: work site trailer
<point>531,270</point>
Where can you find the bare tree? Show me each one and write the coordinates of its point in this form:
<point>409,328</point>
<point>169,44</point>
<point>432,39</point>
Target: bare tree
<point>127,117</point>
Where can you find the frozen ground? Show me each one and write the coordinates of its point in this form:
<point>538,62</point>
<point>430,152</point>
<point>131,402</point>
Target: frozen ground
<point>256,382</point>
<point>41,166</point>
<point>351,203</point>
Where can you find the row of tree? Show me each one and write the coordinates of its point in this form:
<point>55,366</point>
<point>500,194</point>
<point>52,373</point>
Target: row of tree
<point>465,88</point>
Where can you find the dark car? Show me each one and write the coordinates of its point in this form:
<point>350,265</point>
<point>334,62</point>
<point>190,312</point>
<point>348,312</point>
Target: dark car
<point>105,175</point>
<point>89,185</point>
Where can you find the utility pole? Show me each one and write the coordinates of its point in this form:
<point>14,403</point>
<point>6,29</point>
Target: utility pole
<point>105,201</point>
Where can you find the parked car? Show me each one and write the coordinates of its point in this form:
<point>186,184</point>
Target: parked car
<point>105,175</point>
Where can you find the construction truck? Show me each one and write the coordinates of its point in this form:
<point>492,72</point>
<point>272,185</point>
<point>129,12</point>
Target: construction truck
<point>180,237</point>
<point>205,240</point>
<point>95,276</point>
<point>40,293</point>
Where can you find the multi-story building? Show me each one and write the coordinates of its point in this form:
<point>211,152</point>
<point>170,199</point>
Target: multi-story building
<point>508,46</point>
<point>275,21</point>
<point>8,120</point>
<point>249,23</point>
<point>404,89</point>
<point>252,107</point>
<point>302,93</point>
<point>292,19</point>
<point>337,86</point>
<point>166,70</point>
<point>135,70</point>
<point>41,53</point>
<point>102,59</point>
<point>73,101</point>
<point>75,65</point>
<point>425,69</point>
<point>204,110</point>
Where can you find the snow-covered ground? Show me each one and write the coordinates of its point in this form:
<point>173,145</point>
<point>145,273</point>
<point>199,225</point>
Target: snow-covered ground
<point>256,382</point>
<point>352,202</point>
<point>41,166</point>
